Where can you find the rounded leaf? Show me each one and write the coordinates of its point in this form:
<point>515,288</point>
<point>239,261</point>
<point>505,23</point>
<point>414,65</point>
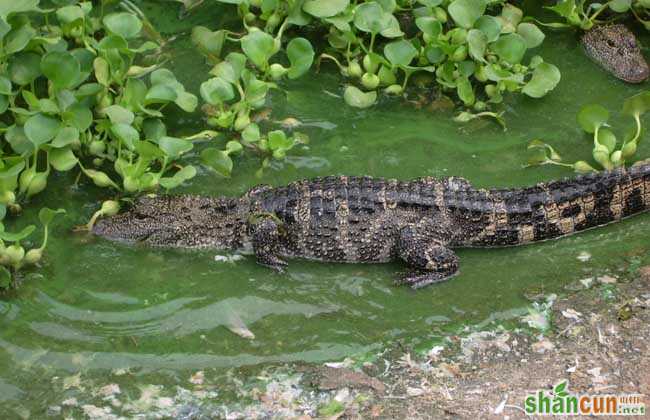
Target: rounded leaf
<point>216,91</point>
<point>174,147</point>
<point>510,48</point>
<point>490,26</point>
<point>466,12</point>
<point>301,56</point>
<point>400,53</point>
<point>218,160</point>
<point>62,68</point>
<point>592,116</point>
<point>124,24</point>
<point>258,47</point>
<point>41,128</point>
<point>531,34</point>
<point>371,17</point>
<point>325,8</point>
<point>358,99</point>
<point>62,159</point>
<point>545,77</point>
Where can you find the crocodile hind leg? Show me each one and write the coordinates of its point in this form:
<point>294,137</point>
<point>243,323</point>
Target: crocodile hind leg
<point>265,235</point>
<point>430,259</point>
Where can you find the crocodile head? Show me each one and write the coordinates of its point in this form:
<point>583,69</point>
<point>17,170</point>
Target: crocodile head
<point>616,49</point>
<point>179,221</point>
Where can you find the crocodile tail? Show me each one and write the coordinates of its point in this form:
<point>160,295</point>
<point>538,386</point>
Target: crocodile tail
<point>554,209</point>
<point>588,201</point>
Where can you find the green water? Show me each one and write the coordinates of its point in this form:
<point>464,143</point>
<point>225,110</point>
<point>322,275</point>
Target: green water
<point>96,306</point>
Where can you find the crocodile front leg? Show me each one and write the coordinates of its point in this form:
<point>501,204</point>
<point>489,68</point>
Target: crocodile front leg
<point>430,259</point>
<point>265,235</point>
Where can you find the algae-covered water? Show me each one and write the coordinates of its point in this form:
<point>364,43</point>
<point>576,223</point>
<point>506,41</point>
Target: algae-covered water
<point>95,306</point>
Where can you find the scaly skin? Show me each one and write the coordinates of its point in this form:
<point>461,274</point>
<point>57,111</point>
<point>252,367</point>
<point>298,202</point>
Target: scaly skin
<point>615,48</point>
<point>372,220</point>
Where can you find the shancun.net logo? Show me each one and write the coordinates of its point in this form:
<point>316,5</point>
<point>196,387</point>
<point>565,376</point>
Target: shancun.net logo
<point>561,402</point>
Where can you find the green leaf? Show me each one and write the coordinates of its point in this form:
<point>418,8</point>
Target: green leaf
<point>46,215</point>
<point>18,38</point>
<point>174,147</point>
<point>65,136</point>
<point>24,67</point>
<point>466,12</point>
<point>358,99</point>
<point>62,68</point>
<point>208,42</point>
<point>62,159</point>
<point>8,7</point>
<point>15,136</point>
<point>185,174</point>
<point>160,94</point>
<point>490,26</point>
<point>256,92</point>
<point>510,18</point>
<point>251,133</point>
<point>371,17</point>
<point>123,24</point>
<point>607,138</point>
<point>5,86</point>
<point>637,105</point>
<point>9,173</point>
<point>217,160</point>
<point>465,91</point>
<point>154,129</point>
<point>18,236</point>
<point>325,8</point>
<point>277,140</point>
<point>5,278</point>
<point>531,34</point>
<point>477,42</point>
<point>118,114</point>
<point>545,78</point>
<point>510,48</point>
<point>429,25</point>
<point>392,29</point>
<point>590,117</point>
<point>126,134</point>
<point>40,129</point>
<point>301,57</point>
<point>400,53</point>
<point>258,47</point>
<point>216,91</point>
<point>79,115</point>
<point>620,6</point>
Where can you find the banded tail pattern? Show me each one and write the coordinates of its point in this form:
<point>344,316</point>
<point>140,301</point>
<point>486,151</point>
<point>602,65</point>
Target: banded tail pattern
<point>559,208</point>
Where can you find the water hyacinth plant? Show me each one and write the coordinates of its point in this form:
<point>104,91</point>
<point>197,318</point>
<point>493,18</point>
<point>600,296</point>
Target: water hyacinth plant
<point>81,89</point>
<point>474,48</point>
<point>607,151</point>
<point>585,15</point>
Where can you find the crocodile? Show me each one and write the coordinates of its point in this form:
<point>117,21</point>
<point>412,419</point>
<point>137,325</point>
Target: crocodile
<point>615,48</point>
<point>373,220</point>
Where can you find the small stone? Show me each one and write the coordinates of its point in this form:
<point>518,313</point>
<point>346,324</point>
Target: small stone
<point>584,256</point>
<point>197,378</point>
<point>70,402</point>
<point>571,314</point>
<point>109,389</point>
<point>607,280</point>
<point>543,346</point>
<point>414,392</point>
